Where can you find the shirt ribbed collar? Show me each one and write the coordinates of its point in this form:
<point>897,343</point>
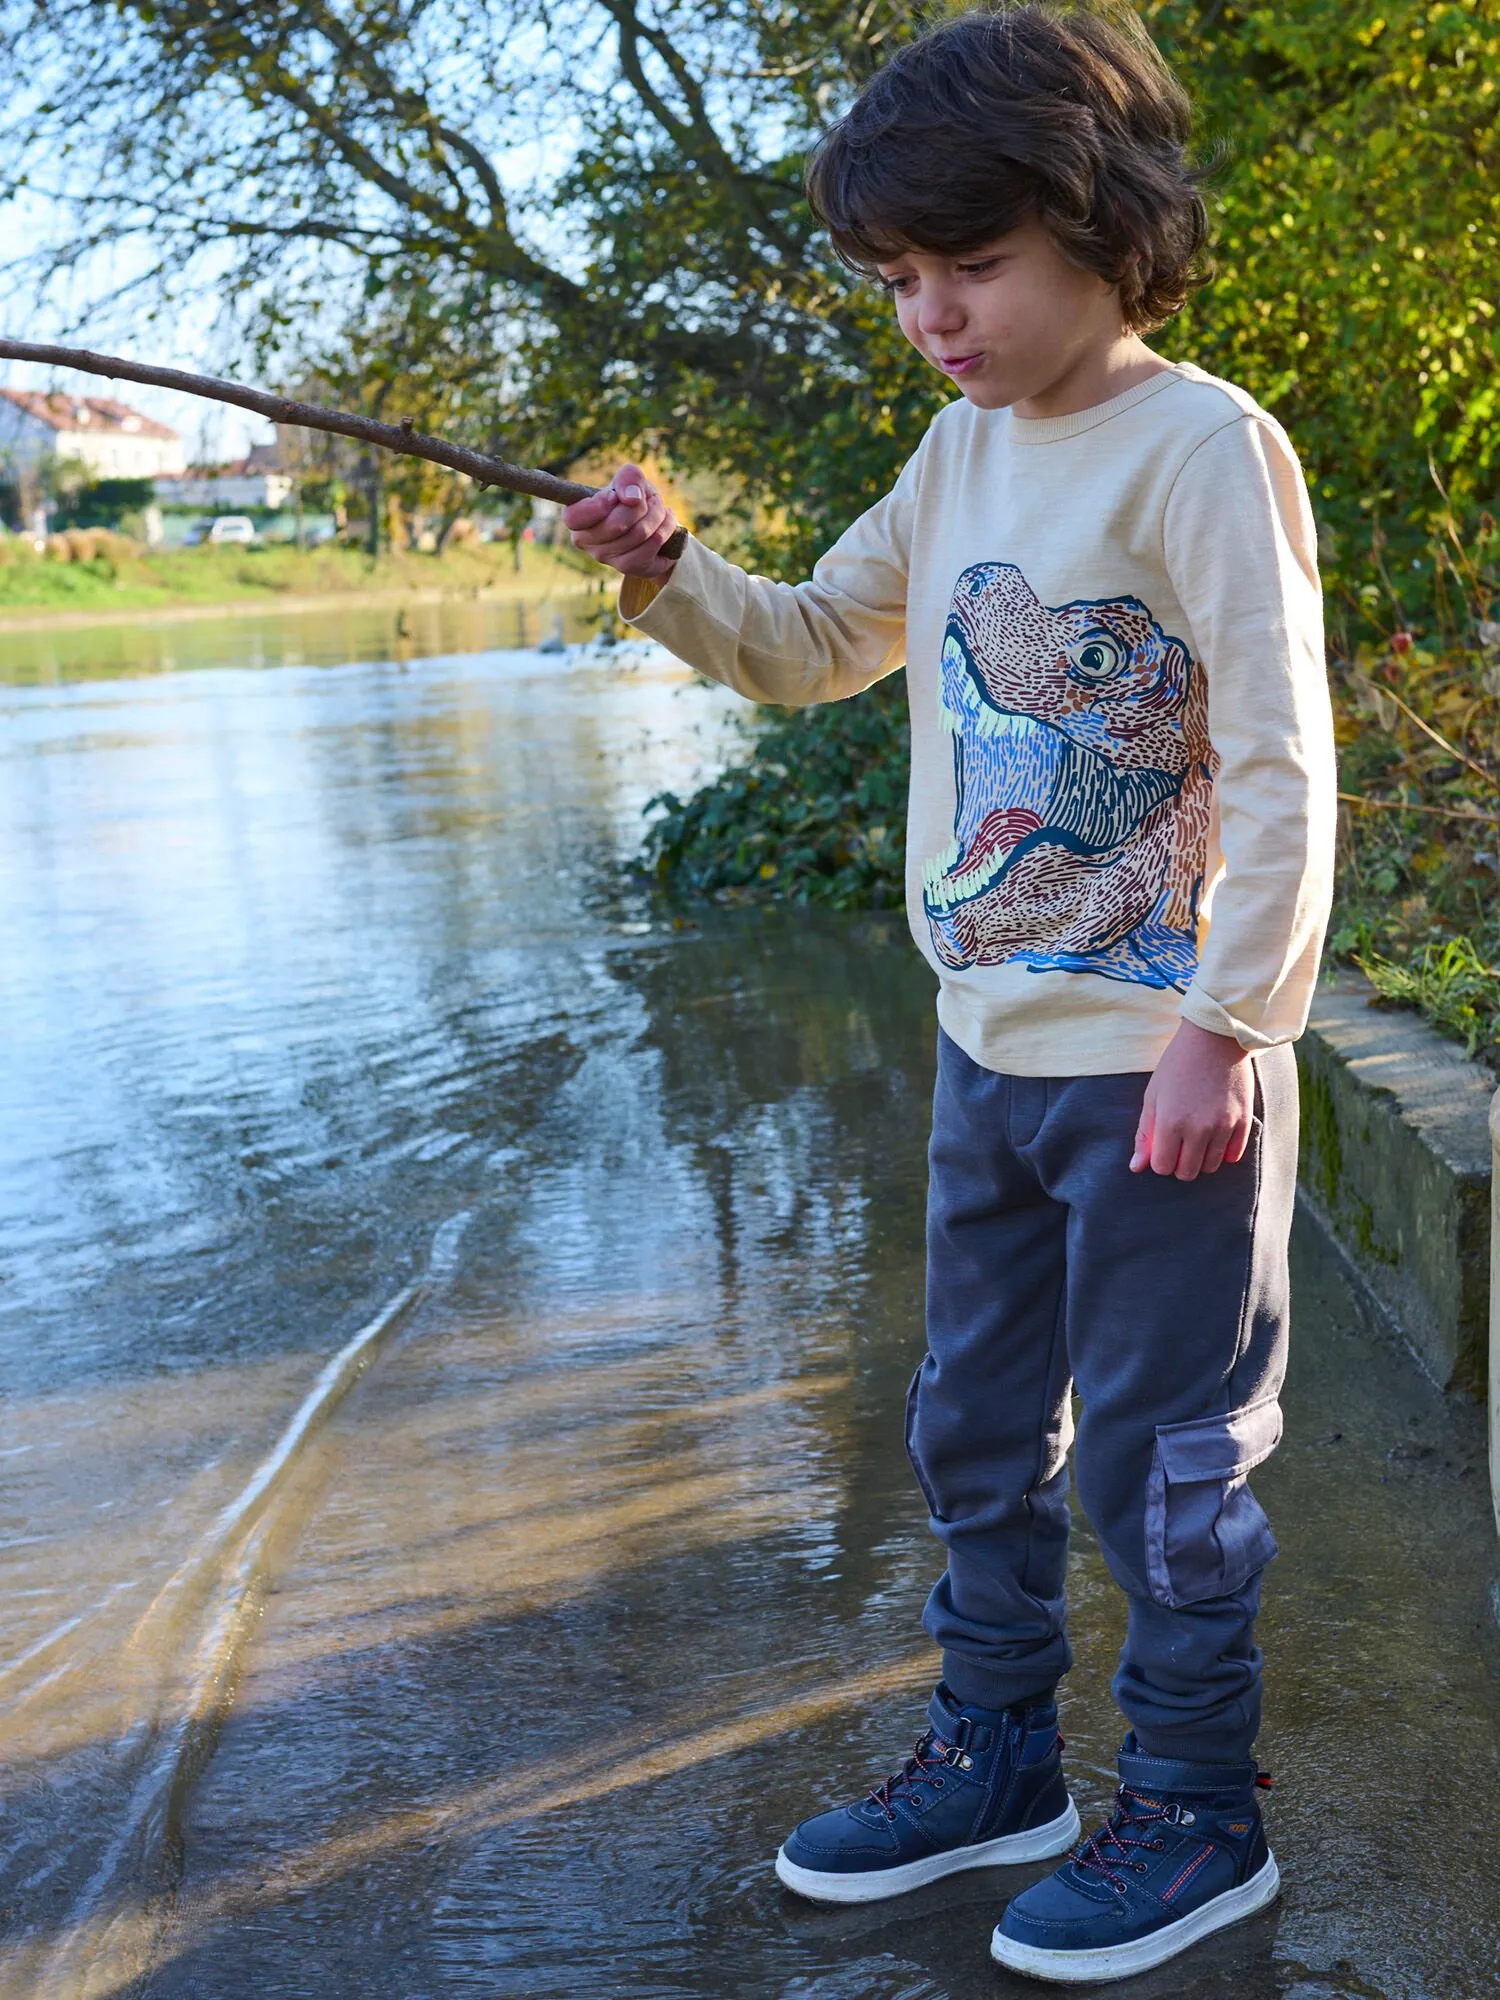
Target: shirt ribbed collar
<point>1047,430</point>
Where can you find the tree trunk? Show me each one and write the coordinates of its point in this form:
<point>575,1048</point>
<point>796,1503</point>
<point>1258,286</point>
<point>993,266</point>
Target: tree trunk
<point>375,497</point>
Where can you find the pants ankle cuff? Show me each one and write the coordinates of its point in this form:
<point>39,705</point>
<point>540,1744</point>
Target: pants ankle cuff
<point>1213,1754</point>
<point>974,1685</point>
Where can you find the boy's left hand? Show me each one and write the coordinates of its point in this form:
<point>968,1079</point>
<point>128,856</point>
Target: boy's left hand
<point>1198,1105</point>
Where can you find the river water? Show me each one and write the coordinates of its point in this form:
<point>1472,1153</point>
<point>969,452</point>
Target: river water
<point>453,1321</point>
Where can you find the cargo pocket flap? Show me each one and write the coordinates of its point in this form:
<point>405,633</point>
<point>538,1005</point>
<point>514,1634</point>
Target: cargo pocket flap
<point>1224,1447</point>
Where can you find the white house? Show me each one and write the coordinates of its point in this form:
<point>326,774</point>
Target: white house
<point>254,481</point>
<point>113,441</point>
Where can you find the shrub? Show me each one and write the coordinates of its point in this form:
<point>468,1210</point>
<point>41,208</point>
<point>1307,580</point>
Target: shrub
<point>104,503</point>
<point>817,813</point>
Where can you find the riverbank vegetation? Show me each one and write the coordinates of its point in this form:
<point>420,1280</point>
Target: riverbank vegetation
<point>92,571</point>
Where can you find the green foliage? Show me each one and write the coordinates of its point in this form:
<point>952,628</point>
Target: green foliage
<point>817,814</point>
<point>1450,983</point>
<point>659,283</point>
<point>1417,721</point>
<point>424,352</point>
<point>1357,238</point>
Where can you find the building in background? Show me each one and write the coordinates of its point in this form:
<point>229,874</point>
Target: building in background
<point>110,439</point>
<point>253,481</point>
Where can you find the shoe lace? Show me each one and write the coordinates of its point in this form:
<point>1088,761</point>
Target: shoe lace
<point>1109,1850</point>
<point>929,1755</point>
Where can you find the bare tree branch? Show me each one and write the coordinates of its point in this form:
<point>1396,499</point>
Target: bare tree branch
<point>399,438</point>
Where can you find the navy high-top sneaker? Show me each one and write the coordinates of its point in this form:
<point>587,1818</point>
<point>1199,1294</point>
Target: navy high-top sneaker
<point>983,1786</point>
<point>1183,1854</point>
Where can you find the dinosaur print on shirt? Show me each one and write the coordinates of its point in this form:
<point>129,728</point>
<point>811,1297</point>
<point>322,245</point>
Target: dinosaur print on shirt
<point>1083,775</point>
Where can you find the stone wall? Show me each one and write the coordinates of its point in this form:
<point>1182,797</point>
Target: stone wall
<point>1396,1158</point>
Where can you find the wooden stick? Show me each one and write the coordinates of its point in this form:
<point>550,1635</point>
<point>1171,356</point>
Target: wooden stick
<point>1439,812</point>
<point>1441,741</point>
<point>402,438</point>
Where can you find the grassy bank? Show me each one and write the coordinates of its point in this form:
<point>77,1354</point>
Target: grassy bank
<point>106,574</point>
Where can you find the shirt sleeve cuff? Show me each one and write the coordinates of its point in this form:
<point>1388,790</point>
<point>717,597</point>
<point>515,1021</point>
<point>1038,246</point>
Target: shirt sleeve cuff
<point>1205,1012</point>
<point>639,593</point>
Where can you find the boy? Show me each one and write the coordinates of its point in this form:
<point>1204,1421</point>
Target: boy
<point>1100,571</point>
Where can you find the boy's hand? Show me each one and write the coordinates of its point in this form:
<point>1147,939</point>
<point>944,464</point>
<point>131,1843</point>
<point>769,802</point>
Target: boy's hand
<point>624,525</point>
<point>1198,1105</point>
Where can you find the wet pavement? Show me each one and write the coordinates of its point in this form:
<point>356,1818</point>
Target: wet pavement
<point>502,1666</point>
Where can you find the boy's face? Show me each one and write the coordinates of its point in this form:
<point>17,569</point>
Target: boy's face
<point>1007,321</point>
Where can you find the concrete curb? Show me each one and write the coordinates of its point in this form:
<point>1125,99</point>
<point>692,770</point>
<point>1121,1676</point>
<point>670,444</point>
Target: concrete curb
<point>1397,1158</point>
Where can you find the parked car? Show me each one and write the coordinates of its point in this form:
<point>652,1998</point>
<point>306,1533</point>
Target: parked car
<point>231,528</point>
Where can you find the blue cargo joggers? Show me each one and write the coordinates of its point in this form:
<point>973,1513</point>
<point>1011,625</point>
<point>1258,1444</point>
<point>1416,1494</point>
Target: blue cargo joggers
<point>1051,1266</point>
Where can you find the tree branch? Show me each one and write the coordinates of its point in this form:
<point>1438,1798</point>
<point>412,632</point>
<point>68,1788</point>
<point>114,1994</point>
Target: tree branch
<point>695,134</point>
<point>399,438</point>
<point>411,104</point>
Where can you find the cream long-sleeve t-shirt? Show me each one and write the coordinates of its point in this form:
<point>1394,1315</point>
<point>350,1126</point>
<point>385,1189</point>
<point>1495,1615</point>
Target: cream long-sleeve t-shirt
<point>1123,778</point>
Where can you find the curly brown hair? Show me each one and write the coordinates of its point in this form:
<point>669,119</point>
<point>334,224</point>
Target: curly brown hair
<point>1063,113</point>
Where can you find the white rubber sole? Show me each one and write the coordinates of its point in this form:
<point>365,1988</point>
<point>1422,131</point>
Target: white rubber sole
<point>1037,1843</point>
<point>1122,1961</point>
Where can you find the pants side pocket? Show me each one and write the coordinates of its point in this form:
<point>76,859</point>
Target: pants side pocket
<point>1206,1533</point>
<point>913,1391</point>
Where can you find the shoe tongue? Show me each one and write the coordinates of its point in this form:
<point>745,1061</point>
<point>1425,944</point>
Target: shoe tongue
<point>933,1746</point>
<point>943,1717</point>
<point>1126,1801</point>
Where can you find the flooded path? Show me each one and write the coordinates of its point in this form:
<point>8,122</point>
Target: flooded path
<point>453,1328</point>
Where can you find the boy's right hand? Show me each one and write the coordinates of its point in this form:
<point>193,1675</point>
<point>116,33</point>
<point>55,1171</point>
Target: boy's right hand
<point>624,524</point>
